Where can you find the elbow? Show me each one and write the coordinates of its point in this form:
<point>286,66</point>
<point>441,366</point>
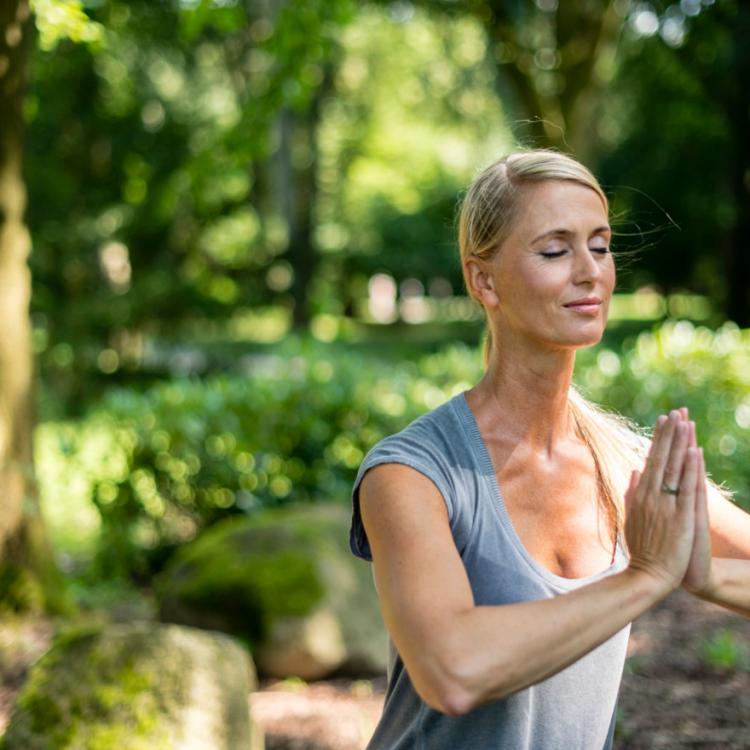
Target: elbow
<point>448,699</point>
<point>451,700</point>
<point>456,685</point>
<point>458,702</point>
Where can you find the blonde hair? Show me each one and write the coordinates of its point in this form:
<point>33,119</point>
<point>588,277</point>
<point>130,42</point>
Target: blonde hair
<point>488,212</point>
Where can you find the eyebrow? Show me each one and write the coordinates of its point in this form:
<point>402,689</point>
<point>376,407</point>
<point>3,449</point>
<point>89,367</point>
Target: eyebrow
<point>568,233</point>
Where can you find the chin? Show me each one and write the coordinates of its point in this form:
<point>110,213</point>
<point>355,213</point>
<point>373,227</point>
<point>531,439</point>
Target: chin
<point>579,340</point>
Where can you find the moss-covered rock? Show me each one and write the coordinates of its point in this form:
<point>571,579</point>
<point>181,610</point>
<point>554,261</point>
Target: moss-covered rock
<point>139,686</point>
<point>20,590</point>
<point>286,582</point>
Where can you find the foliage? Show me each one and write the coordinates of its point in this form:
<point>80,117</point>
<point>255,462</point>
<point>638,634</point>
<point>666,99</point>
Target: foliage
<point>724,651</point>
<point>20,591</point>
<point>414,115</point>
<point>678,364</point>
<point>688,95</point>
<point>187,453</point>
<point>64,19</point>
<point>144,201</point>
<point>155,195</point>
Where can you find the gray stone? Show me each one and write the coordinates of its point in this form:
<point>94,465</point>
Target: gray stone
<point>286,582</point>
<point>137,686</point>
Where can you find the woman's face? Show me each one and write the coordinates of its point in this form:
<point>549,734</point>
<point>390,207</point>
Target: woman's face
<point>553,277</point>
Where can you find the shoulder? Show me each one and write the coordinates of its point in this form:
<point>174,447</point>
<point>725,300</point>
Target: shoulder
<point>432,444</point>
<point>423,462</point>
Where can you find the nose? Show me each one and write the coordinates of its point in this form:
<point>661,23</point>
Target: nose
<point>586,267</point>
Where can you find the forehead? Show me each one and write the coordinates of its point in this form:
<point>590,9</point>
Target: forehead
<point>559,204</point>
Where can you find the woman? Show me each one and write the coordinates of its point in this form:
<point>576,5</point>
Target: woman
<point>508,570</point>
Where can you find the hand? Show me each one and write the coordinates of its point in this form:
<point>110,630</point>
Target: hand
<point>698,578</point>
<point>659,526</point>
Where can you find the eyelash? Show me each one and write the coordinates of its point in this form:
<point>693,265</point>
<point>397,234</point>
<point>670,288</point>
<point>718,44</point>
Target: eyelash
<point>602,250</point>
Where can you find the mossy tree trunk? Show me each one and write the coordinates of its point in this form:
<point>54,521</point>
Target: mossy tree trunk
<point>25,559</point>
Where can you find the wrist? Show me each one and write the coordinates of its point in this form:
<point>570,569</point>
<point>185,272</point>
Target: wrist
<point>653,585</point>
<point>708,588</point>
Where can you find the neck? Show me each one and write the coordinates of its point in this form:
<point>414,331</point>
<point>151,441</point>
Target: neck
<point>525,395</point>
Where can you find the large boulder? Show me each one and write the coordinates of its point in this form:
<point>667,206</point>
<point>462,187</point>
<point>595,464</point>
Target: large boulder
<point>137,686</point>
<point>286,582</point>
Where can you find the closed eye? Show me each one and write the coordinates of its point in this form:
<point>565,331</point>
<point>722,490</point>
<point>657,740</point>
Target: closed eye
<point>560,253</point>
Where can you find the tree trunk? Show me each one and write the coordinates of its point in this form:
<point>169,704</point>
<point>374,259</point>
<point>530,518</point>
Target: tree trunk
<point>297,189</point>
<point>737,259</point>
<point>25,561</point>
<point>558,65</point>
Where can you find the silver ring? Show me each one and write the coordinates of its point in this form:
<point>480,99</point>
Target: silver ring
<point>669,490</point>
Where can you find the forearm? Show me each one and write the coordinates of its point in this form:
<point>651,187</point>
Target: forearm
<point>729,585</point>
<point>499,650</point>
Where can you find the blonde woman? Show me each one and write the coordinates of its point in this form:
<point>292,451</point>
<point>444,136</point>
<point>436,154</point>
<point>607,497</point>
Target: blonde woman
<point>517,530</point>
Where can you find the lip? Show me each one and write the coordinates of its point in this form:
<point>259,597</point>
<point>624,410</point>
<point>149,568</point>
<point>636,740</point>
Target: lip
<point>587,306</point>
<point>584,302</point>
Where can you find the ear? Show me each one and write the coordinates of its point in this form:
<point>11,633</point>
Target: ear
<point>480,284</point>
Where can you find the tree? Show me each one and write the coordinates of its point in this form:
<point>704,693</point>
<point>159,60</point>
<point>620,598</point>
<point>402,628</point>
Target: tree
<point>25,557</point>
<point>554,61</point>
<point>680,119</point>
<point>184,174</point>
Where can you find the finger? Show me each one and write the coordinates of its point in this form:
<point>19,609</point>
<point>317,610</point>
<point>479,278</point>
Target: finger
<point>662,423</point>
<point>686,495</point>
<point>683,413</point>
<point>659,427</point>
<point>660,450</point>
<point>676,460</point>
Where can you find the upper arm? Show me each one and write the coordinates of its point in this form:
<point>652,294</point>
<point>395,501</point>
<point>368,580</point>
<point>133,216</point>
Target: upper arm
<point>420,577</point>
<point>730,527</point>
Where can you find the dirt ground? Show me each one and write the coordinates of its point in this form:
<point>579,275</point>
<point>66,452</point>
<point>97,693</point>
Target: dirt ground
<point>686,685</point>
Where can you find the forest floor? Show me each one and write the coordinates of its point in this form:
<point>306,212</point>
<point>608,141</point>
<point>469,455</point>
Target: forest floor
<point>686,685</point>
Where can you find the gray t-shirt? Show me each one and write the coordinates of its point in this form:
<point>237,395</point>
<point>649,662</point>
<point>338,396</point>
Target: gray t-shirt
<point>572,710</point>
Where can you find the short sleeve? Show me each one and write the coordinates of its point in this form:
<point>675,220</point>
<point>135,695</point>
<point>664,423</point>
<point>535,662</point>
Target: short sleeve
<point>411,449</point>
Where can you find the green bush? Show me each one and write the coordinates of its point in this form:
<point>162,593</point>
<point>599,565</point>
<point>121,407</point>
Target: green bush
<point>188,453</point>
<point>295,429</point>
<point>676,365</point>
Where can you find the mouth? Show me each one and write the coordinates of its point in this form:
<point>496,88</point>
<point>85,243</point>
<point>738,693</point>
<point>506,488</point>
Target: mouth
<point>587,305</point>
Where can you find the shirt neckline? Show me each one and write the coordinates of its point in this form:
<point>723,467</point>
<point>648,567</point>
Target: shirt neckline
<point>481,452</point>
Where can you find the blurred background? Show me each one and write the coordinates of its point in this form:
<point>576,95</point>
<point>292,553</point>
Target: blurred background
<point>238,217</point>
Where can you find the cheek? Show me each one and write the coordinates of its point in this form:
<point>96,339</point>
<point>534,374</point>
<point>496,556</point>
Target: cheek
<point>611,274</point>
<point>550,283</point>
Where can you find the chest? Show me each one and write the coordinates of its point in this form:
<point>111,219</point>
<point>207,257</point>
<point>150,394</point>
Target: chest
<point>556,512</point>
